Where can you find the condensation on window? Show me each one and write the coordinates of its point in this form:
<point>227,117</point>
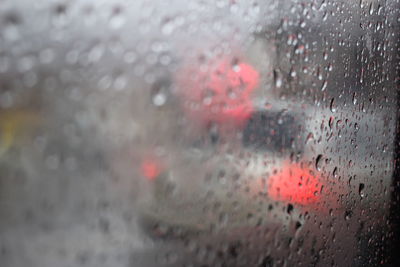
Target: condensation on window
<point>197,133</point>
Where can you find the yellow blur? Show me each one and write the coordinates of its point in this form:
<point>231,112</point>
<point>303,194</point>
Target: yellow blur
<point>15,124</point>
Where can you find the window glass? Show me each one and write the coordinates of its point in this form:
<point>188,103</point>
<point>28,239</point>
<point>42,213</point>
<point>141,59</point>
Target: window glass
<point>199,133</point>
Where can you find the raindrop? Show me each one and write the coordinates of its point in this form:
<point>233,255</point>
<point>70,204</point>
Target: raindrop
<point>354,98</point>
<point>159,99</point>
<point>235,65</point>
<point>297,225</point>
<point>130,57</point>
<point>293,73</point>
<point>332,106</point>
<point>96,53</point>
<point>348,214</point>
<point>46,56</point>
<point>52,162</point>
<point>117,20</point>
<point>168,26</point>
<point>361,190</point>
<point>208,96</point>
<point>335,172</point>
<point>371,8</point>
<point>120,82</point>
<point>289,208</point>
<point>278,78</point>
<point>309,137</point>
<point>324,85</point>
<point>330,122</point>
<point>318,162</point>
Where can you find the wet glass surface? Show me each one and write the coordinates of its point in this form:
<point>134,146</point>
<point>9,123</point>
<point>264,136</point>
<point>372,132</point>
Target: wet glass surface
<point>198,133</point>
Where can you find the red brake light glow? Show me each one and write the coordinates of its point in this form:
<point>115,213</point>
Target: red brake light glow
<point>295,184</point>
<point>150,169</point>
<point>220,95</point>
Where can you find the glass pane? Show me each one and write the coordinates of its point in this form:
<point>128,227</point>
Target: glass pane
<point>199,133</point>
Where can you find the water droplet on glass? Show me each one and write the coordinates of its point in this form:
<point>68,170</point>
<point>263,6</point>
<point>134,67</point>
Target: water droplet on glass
<point>332,106</point>
<point>361,190</point>
<point>278,78</point>
<point>371,8</point>
<point>52,162</point>
<point>159,99</point>
<point>168,26</point>
<point>324,85</point>
<point>289,208</point>
<point>159,93</point>
<point>117,19</point>
<point>354,98</point>
<point>318,162</point>
<point>335,172</point>
<point>348,214</point>
<point>208,96</point>
<point>235,65</point>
